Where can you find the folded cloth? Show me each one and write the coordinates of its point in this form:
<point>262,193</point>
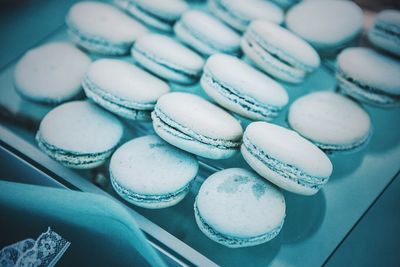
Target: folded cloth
<point>91,230</point>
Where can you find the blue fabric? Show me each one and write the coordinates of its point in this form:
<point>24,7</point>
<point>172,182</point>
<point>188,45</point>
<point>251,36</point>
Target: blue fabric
<point>101,231</point>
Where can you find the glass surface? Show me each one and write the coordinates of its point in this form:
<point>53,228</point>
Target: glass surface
<point>314,225</point>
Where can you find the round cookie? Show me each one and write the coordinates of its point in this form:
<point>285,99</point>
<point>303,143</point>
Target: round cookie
<point>167,58</point>
<point>196,125</point>
<point>285,158</point>
<point>79,134</point>
<point>318,23</point>
<point>238,208</point>
<point>369,76</point>
<point>123,88</point>
<point>242,89</point>
<point>331,121</point>
<point>151,173</point>
<point>51,73</point>
<point>206,34</point>
<point>102,28</point>
<point>279,52</point>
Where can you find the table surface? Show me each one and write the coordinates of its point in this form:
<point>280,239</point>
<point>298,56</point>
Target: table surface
<point>328,228</point>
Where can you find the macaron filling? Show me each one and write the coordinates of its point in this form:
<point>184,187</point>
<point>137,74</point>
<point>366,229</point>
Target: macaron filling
<point>352,86</point>
<point>71,158</point>
<point>233,240</point>
<point>207,42</point>
<point>285,170</point>
<point>246,102</point>
<point>276,53</point>
<point>386,29</point>
<point>176,129</point>
<point>146,198</point>
<point>97,43</point>
<point>191,74</point>
<point>126,106</point>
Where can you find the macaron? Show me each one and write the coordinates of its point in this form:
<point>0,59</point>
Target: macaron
<point>242,89</point>
<point>102,28</point>
<point>285,158</point>
<point>158,14</point>
<point>331,121</point>
<point>79,134</point>
<point>237,208</point>
<point>123,88</point>
<point>369,76</point>
<point>278,52</point>
<point>206,34</point>
<point>385,31</point>
<point>150,173</point>
<point>319,23</point>
<point>238,14</point>
<point>168,58</point>
<point>51,73</point>
<point>196,125</point>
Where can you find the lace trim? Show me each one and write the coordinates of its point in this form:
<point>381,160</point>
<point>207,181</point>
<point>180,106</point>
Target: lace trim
<point>45,251</point>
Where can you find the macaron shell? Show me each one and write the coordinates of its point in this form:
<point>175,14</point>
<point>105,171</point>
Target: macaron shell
<point>371,68</point>
<point>104,21</point>
<point>318,22</point>
<point>329,118</point>
<point>200,116</point>
<point>81,127</point>
<point>288,147</point>
<point>245,79</point>
<point>279,180</point>
<point>212,35</point>
<point>239,203</point>
<point>285,41</point>
<point>148,165</point>
<point>126,81</point>
<point>51,73</point>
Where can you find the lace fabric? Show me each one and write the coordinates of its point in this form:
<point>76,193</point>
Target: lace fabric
<point>44,251</point>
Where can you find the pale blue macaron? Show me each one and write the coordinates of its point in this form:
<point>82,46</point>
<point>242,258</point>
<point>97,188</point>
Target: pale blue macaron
<point>196,125</point>
<point>238,14</point>
<point>51,73</point>
<point>237,208</point>
<point>79,134</point>
<point>242,89</point>
<point>319,23</point>
<point>331,121</point>
<point>150,173</point>
<point>206,34</point>
<point>123,88</point>
<point>385,32</point>
<point>158,14</point>
<point>167,58</point>
<point>102,28</point>
<point>279,52</point>
<point>369,76</point>
<point>285,158</point>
